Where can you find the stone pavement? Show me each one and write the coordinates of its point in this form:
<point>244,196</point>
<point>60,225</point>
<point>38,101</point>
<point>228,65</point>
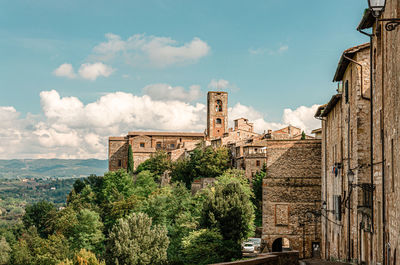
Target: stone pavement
<point>320,262</point>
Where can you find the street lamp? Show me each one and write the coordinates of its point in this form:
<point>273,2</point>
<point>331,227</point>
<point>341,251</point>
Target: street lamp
<point>350,176</point>
<point>377,7</point>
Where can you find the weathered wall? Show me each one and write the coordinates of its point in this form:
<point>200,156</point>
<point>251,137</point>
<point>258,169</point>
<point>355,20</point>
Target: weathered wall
<point>291,194</point>
<point>215,130</point>
<point>117,153</point>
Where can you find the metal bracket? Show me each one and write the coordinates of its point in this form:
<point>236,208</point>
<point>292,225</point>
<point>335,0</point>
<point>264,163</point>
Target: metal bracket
<point>391,24</point>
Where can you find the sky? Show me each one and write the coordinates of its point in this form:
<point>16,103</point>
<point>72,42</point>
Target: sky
<point>73,72</point>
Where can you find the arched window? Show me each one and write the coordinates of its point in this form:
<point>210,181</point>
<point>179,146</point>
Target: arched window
<point>218,121</point>
<point>218,106</point>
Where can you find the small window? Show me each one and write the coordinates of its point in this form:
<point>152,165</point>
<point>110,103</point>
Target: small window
<point>258,163</point>
<point>218,106</point>
<point>158,144</point>
<point>141,145</point>
<point>218,121</point>
<point>119,163</point>
<point>172,145</point>
<point>255,150</point>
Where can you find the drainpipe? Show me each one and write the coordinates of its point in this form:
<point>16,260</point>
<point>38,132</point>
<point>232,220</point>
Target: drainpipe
<point>383,154</point>
<point>348,186</point>
<point>361,66</point>
<point>371,133</point>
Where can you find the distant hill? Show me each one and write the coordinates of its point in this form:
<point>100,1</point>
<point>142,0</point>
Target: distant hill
<point>62,168</point>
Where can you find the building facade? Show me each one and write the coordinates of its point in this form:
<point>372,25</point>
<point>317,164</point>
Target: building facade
<point>217,114</point>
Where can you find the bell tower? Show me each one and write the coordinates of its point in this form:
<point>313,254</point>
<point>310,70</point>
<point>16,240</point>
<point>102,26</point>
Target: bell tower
<point>217,114</point>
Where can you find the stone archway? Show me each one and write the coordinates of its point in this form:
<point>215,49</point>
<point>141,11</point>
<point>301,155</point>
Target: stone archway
<point>281,244</point>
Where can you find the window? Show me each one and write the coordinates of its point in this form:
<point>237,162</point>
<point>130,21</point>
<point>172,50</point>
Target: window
<point>218,106</point>
<point>367,196</point>
<point>218,121</point>
<point>172,145</point>
<point>258,163</point>
<point>141,145</point>
<point>119,163</point>
<point>392,165</point>
<point>346,91</point>
<point>158,144</point>
<point>337,207</point>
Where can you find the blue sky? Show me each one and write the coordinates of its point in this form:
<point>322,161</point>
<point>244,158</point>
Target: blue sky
<point>270,55</point>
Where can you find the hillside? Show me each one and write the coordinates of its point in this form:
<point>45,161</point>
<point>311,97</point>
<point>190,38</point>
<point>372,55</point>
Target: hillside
<point>61,168</point>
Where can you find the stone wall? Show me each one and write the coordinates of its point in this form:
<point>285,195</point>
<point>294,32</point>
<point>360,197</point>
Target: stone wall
<point>217,129</point>
<point>280,258</point>
<point>117,153</point>
<point>291,194</point>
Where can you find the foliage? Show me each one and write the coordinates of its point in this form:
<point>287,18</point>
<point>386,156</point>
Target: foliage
<point>133,240</point>
<point>4,251</point>
<point>175,208</point>
<point>39,215</point>
<point>83,257</point>
<point>203,246</point>
<point>144,184</point>
<point>228,208</point>
<point>130,165</point>
<point>156,164</point>
<point>116,185</point>
<point>203,162</point>
<point>257,182</point>
<point>32,249</point>
<point>303,135</point>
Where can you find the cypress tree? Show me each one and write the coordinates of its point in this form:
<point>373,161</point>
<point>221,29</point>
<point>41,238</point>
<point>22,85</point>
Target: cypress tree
<point>130,160</point>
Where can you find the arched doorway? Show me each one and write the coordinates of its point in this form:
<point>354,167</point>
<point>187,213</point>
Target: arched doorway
<point>281,244</point>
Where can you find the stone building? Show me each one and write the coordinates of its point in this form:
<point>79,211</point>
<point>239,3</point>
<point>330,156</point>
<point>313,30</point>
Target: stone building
<point>385,115</point>
<point>144,144</point>
<point>217,114</point>
<point>346,224</point>
<point>291,196</point>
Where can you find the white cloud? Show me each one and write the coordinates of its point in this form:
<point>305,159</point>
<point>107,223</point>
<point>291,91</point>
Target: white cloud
<point>281,49</point>
<point>68,128</point>
<point>65,70</point>
<point>222,84</point>
<point>90,71</point>
<point>167,92</point>
<point>155,51</point>
<point>93,71</point>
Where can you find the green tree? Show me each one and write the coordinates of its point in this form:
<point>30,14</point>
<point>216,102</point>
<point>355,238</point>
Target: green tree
<point>228,208</point>
<point>203,247</point>
<point>144,184</point>
<point>5,251</point>
<point>303,135</point>
<point>39,215</point>
<point>202,163</point>
<point>156,164</point>
<point>116,185</point>
<point>257,182</point>
<point>87,232</point>
<point>83,257</point>
<point>130,160</point>
<point>133,240</point>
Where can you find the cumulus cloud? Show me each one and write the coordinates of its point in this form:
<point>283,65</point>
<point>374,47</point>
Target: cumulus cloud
<point>93,71</point>
<point>167,92</point>
<point>68,128</point>
<point>155,51</point>
<point>89,71</point>
<point>65,70</point>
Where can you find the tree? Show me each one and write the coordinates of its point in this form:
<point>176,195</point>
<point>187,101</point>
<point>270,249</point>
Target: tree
<point>257,182</point>
<point>202,163</point>
<point>4,251</point>
<point>83,257</point>
<point>156,164</point>
<point>116,185</point>
<point>203,247</point>
<point>228,208</point>
<point>133,240</point>
<point>144,184</point>
<point>39,215</point>
<point>130,167</point>
<point>303,135</point>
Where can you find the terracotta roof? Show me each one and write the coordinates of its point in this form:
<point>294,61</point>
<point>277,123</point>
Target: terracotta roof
<point>331,104</point>
<point>116,138</point>
<point>317,130</point>
<point>343,62</point>
<point>367,20</point>
<point>189,134</point>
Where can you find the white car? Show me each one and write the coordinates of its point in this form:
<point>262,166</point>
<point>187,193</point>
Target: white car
<point>248,247</point>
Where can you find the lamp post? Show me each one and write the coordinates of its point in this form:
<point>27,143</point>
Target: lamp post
<point>377,7</point>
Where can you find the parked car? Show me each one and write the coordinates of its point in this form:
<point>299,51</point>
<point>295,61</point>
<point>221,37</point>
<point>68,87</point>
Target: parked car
<point>248,247</point>
<point>256,242</point>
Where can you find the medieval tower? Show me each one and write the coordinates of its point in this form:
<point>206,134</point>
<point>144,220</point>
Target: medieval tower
<point>217,114</point>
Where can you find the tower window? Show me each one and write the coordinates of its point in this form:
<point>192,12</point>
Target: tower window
<point>346,91</point>
<point>141,145</point>
<point>218,121</point>
<point>218,106</point>
<point>119,162</point>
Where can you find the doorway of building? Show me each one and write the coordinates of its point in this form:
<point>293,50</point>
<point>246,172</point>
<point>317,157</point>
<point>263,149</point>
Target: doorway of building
<point>316,250</point>
<point>281,244</point>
